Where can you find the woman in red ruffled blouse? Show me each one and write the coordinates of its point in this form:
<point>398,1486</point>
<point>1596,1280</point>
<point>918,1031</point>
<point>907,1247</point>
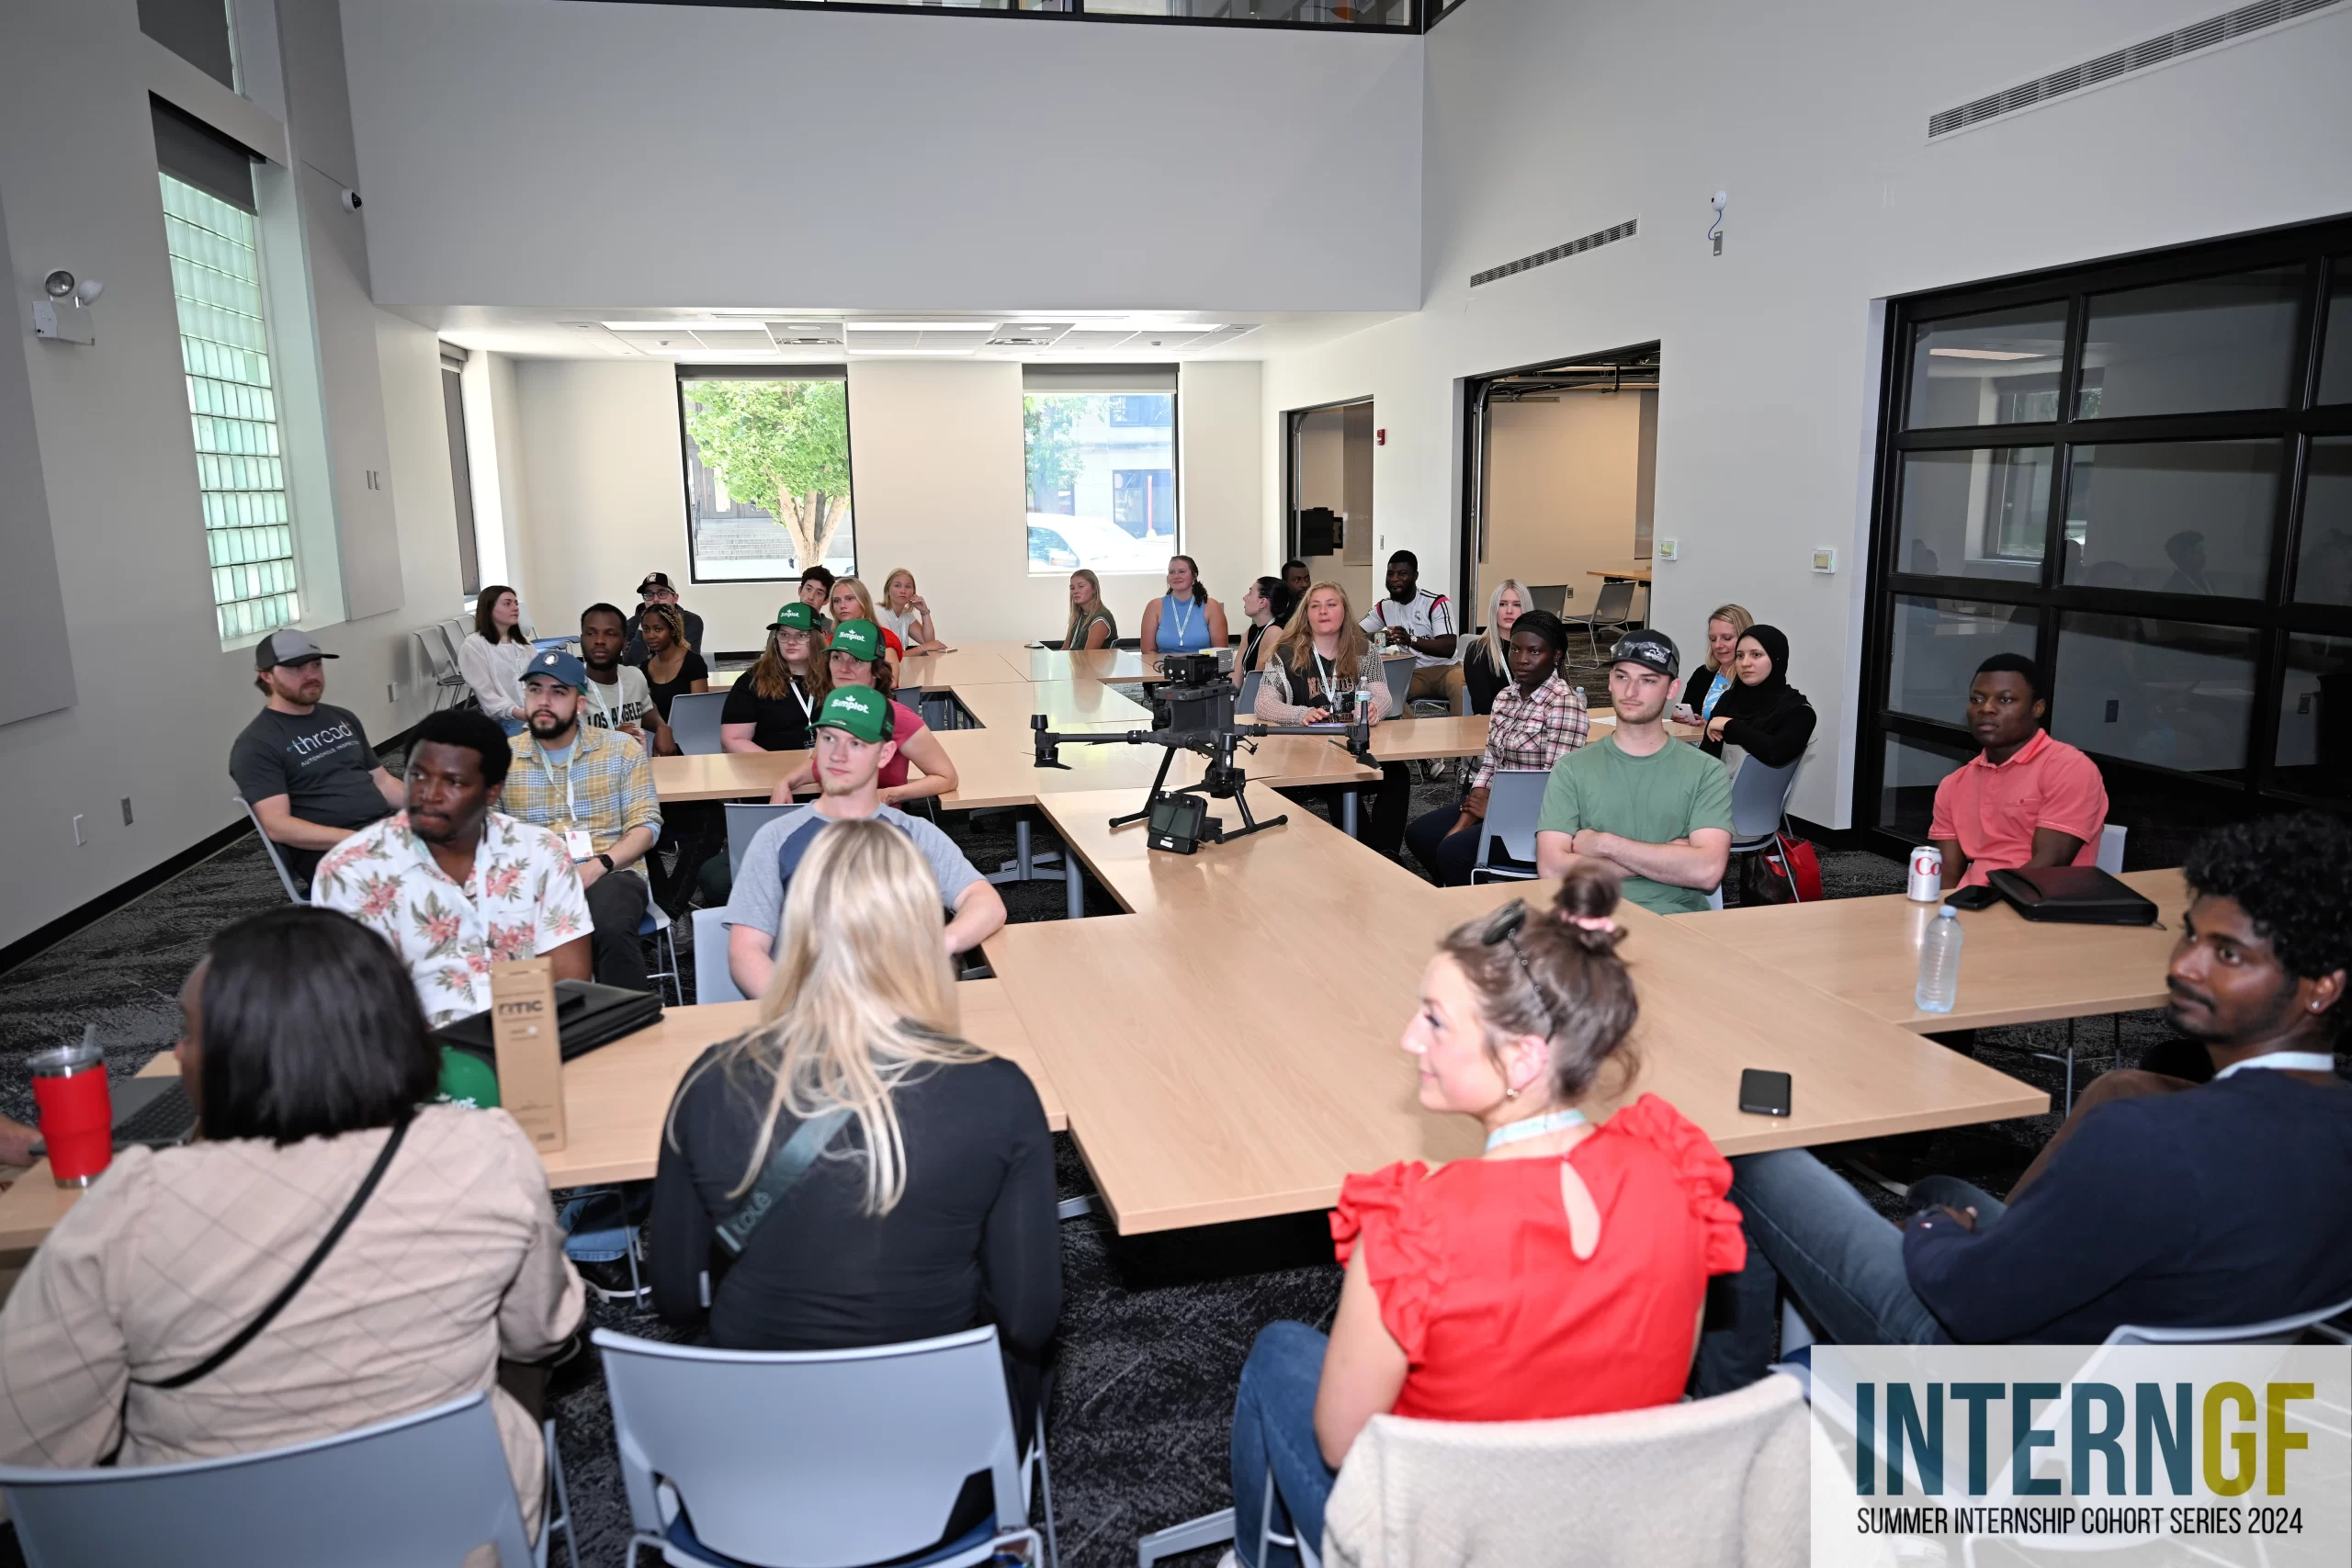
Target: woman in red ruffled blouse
<point>1563,1274</point>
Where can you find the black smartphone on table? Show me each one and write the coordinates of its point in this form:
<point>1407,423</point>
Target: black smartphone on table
<point>1977,897</point>
<point>1762,1093</point>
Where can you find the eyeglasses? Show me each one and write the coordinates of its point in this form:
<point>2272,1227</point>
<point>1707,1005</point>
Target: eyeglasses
<point>1505,926</point>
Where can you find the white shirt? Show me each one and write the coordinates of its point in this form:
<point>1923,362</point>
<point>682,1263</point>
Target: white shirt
<point>494,671</point>
<point>904,626</point>
<point>625,702</point>
<point>522,900</point>
<point>1429,614</point>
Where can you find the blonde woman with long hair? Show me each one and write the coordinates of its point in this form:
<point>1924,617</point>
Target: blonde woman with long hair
<point>903,611</point>
<point>849,600</point>
<point>1313,675</point>
<point>1714,675</point>
<point>1486,660</point>
<point>1092,624</point>
<point>931,1207</point>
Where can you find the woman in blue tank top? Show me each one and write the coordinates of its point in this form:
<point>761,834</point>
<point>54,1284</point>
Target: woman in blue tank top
<point>1185,620</point>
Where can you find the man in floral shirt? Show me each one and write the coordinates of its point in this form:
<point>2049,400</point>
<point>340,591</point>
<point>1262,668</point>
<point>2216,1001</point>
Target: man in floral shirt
<point>452,883</point>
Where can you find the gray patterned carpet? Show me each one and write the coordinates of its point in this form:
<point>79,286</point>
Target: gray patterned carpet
<point>1154,1329</point>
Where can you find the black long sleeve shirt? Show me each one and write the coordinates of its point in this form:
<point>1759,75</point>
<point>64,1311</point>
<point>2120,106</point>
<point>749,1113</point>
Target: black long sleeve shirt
<point>975,1238</point>
<point>2228,1204</point>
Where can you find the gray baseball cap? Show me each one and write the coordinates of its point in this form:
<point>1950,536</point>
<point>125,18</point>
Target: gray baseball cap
<point>1652,650</point>
<point>288,646</point>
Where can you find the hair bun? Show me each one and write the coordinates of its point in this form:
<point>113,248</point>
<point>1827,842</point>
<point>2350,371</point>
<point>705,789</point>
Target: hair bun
<point>1588,896</point>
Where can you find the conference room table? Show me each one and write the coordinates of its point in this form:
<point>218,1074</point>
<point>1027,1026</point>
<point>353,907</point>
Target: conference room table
<point>616,1099</point>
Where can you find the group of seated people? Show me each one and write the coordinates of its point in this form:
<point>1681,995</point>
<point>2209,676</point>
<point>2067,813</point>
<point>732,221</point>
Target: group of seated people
<point>1564,1272</point>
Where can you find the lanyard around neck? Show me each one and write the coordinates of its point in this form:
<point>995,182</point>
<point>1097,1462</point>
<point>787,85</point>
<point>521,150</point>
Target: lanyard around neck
<point>2282,1062</point>
<point>1183,615</point>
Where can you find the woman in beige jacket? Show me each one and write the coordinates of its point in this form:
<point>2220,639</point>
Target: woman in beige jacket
<point>304,1050</point>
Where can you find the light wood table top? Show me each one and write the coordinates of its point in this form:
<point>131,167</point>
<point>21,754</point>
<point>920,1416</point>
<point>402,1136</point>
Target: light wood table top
<point>615,1098</point>
<point>1086,664</point>
<point>1710,1011</point>
<point>1627,575</point>
<point>725,776</point>
<point>1866,952</point>
<point>1309,864</point>
<point>1067,704</point>
<point>976,663</point>
<point>1421,740</point>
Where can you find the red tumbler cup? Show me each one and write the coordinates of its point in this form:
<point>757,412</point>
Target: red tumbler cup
<point>77,1112</point>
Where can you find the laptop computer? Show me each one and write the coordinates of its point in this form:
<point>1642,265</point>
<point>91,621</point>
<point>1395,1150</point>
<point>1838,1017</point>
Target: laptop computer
<point>2076,895</point>
<point>587,1015</point>
<point>154,1113</point>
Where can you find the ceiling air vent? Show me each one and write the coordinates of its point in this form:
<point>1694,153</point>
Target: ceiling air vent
<point>2142,56</point>
<point>1593,241</point>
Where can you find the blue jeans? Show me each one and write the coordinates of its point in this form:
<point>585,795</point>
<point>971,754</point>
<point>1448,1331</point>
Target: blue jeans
<point>513,726</point>
<point>1839,1258</point>
<point>1273,1423</point>
<point>595,1223</point>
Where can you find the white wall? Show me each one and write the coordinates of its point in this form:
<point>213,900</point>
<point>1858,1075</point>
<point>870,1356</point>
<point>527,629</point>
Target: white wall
<point>938,471</point>
<point>157,701</point>
<point>1813,118</point>
<point>542,152</point>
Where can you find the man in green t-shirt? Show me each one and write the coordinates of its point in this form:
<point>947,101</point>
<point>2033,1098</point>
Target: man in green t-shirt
<point>1654,808</point>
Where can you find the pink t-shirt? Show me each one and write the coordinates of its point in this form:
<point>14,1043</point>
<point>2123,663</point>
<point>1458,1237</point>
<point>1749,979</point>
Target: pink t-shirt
<point>1994,809</point>
<point>905,721</point>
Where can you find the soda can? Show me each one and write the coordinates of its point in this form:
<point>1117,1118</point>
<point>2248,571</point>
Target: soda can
<point>1926,875</point>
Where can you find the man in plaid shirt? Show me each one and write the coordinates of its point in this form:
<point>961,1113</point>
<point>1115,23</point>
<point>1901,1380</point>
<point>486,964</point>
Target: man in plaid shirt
<point>1538,718</point>
<point>593,788</point>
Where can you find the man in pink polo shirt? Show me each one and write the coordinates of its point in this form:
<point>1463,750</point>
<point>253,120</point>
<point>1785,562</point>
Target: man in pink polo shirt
<point>2026,800</point>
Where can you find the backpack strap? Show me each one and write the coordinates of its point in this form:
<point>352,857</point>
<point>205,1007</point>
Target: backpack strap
<point>787,1163</point>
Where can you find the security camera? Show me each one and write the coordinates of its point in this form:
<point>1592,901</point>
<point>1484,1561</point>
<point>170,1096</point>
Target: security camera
<point>351,202</point>
<point>59,284</point>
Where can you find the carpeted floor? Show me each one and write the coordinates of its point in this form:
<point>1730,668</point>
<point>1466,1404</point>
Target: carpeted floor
<point>1154,1329</point>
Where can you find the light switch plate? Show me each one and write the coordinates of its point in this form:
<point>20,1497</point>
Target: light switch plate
<point>1666,550</point>
<point>1824,562</point>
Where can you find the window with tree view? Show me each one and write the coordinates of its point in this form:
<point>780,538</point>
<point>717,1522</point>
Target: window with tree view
<point>1102,455</point>
<point>767,474</point>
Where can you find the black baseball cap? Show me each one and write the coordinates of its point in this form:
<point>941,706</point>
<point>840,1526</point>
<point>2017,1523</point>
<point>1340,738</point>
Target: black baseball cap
<point>1651,650</point>
<point>654,580</point>
<point>288,645</point>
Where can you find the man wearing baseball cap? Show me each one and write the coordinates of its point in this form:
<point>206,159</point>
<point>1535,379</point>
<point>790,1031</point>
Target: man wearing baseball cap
<point>850,740</point>
<point>592,788</point>
<point>305,767</point>
<point>1656,808</point>
<point>656,590</point>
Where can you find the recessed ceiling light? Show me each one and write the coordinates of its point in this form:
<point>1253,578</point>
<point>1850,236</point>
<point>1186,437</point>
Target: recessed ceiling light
<point>1980,354</point>
<point>925,353</point>
<point>921,326</point>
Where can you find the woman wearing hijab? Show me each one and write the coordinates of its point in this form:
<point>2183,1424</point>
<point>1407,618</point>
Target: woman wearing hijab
<point>1761,714</point>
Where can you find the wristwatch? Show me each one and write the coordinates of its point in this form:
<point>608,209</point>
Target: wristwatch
<point>608,862</point>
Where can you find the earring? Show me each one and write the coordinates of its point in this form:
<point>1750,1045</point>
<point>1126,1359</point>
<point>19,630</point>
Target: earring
<point>1510,1093</point>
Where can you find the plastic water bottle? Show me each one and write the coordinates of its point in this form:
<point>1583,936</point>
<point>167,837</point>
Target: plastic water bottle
<point>1940,963</point>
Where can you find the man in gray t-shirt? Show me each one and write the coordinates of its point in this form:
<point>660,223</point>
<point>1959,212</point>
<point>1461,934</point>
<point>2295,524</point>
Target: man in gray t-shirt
<point>850,741</point>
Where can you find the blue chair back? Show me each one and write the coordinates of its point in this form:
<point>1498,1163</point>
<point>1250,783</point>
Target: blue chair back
<point>713,981</point>
<point>425,1488</point>
<point>742,821</point>
<point>693,719</point>
<point>1514,800</point>
<point>1760,798</point>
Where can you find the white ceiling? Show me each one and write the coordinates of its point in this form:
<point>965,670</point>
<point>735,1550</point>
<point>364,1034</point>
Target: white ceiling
<point>787,337</point>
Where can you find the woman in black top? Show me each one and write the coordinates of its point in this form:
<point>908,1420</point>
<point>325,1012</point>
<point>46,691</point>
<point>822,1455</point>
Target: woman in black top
<point>768,709</point>
<point>671,667</point>
<point>1761,714</point>
<point>1486,659</point>
<point>932,1210</point>
<point>1267,604</point>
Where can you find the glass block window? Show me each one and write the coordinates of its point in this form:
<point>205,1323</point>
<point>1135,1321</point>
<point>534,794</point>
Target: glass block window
<point>241,471</point>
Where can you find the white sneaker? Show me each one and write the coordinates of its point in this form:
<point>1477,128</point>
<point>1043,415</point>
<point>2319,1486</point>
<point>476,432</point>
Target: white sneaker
<point>1230,1559</point>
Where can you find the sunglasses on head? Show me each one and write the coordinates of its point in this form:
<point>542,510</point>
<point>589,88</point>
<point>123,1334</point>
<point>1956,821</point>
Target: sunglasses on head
<point>1505,925</point>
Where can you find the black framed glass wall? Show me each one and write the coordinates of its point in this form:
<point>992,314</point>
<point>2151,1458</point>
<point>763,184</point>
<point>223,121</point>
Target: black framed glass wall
<point>767,474</point>
<point>2139,473</point>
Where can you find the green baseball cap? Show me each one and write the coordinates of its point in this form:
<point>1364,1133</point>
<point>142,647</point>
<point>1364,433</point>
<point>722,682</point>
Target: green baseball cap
<point>793,617</point>
<point>467,1079</point>
<point>859,639</point>
<point>861,710</point>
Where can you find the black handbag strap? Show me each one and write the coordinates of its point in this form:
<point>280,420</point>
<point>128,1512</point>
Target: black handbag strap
<point>787,1163</point>
<point>245,1335</point>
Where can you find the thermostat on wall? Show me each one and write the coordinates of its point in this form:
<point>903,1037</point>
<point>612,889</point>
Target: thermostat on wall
<point>1825,560</point>
<point>1666,550</point>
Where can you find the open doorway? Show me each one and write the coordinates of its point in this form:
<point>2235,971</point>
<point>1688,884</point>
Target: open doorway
<point>1559,486</point>
<point>1327,479</point>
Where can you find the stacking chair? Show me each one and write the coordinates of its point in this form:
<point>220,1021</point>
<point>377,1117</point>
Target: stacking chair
<point>821,1459</point>
<point>1552,597</point>
<point>1613,610</point>
<point>424,1488</point>
<point>743,819</point>
<point>440,667</point>
<point>1245,704</point>
<point>1514,801</point>
<point>656,925</point>
<point>2276,1331</point>
<point>693,719</point>
<point>1399,673</point>
<point>714,982</point>
<point>285,877</point>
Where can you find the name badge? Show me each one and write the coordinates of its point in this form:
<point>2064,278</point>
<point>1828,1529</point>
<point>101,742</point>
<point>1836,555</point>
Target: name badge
<point>575,843</point>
